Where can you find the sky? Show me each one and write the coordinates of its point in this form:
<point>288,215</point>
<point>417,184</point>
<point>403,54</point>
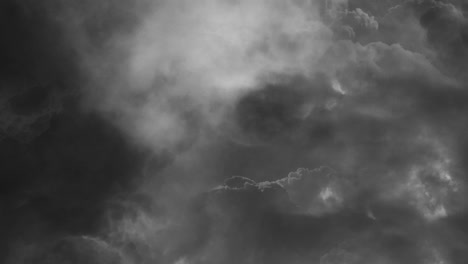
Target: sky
<point>233,131</point>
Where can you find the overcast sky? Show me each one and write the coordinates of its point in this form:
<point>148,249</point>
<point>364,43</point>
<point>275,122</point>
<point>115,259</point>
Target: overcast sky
<point>233,131</point>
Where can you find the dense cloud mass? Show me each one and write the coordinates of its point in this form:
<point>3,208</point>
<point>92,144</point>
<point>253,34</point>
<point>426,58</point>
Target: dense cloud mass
<point>234,131</point>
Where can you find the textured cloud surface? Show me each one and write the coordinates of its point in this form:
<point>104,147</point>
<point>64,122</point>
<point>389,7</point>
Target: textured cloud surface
<point>234,131</point>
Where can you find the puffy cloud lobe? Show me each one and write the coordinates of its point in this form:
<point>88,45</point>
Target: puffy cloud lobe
<point>356,22</point>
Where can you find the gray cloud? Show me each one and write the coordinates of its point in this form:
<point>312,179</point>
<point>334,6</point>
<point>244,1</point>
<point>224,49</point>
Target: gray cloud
<point>211,89</point>
<point>242,220</point>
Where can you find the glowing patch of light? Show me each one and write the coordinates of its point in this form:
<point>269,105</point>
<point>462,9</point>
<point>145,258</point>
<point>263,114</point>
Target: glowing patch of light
<point>326,194</point>
<point>337,87</point>
<point>330,198</point>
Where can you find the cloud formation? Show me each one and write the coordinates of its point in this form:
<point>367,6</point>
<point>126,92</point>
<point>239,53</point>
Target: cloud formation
<point>172,97</point>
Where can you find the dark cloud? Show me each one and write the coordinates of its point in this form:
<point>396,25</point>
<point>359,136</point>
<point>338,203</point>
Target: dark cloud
<point>34,52</point>
<point>118,118</point>
<point>288,110</point>
<point>447,31</point>
<point>60,181</point>
<point>60,163</point>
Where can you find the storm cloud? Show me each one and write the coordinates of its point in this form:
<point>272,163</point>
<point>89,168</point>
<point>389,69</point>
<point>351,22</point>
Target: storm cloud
<point>234,131</point>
